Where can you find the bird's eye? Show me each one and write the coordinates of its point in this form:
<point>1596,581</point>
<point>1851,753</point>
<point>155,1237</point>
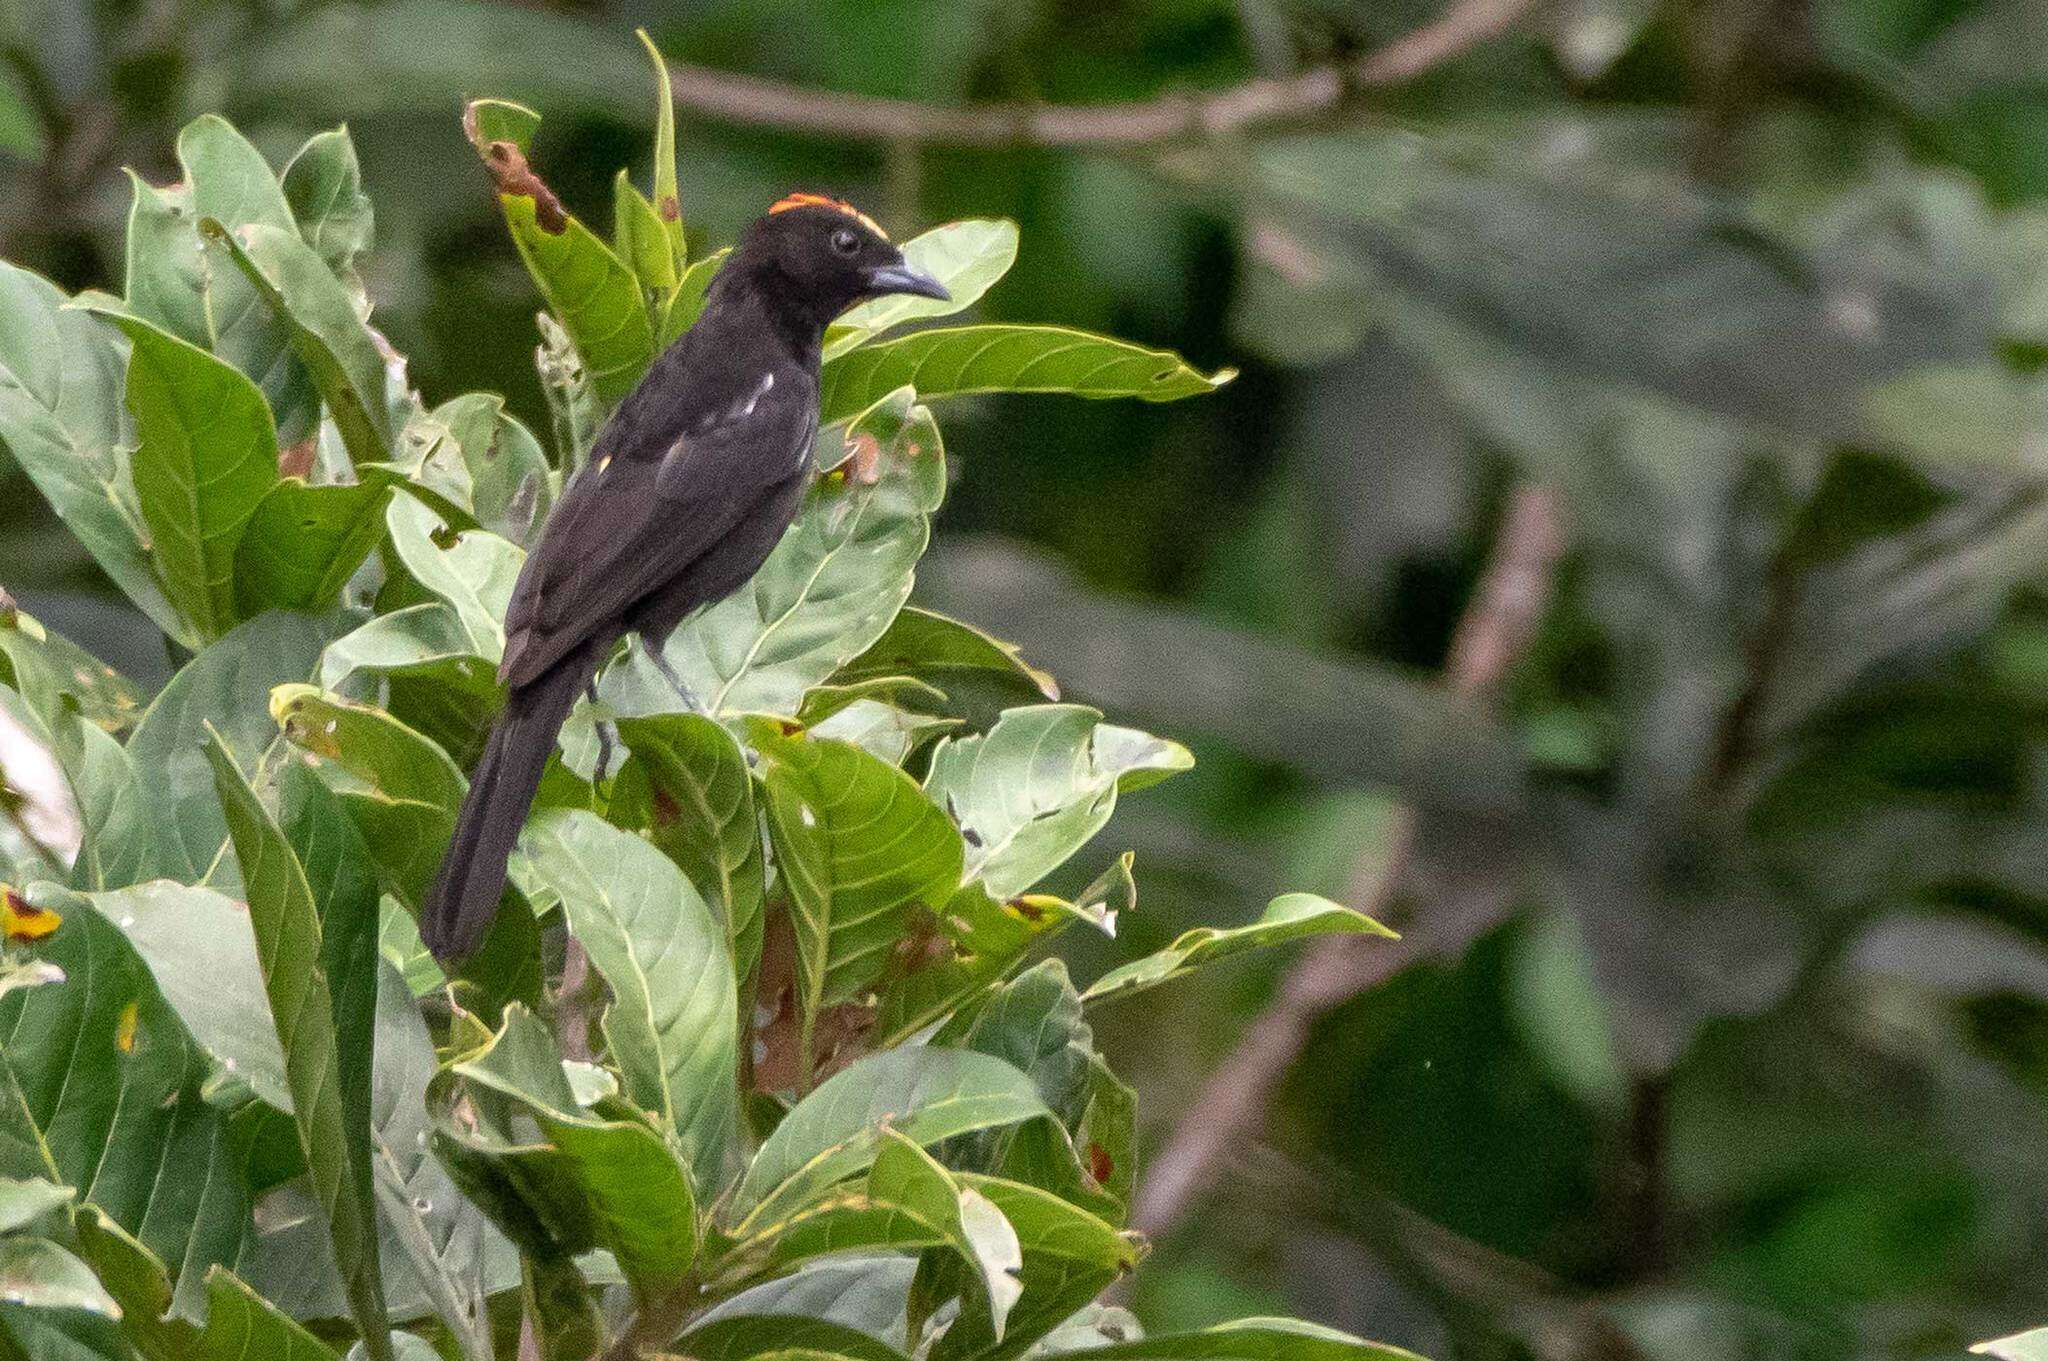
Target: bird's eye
<point>845,242</point>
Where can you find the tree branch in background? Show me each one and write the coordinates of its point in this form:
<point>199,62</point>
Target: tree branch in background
<point>753,101</point>
<point>1231,1111</point>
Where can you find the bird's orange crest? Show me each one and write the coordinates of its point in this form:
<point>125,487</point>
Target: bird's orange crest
<point>801,200</point>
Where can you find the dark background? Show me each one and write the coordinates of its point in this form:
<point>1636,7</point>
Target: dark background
<point>1720,1031</point>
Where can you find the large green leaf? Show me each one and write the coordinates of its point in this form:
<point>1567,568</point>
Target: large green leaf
<point>228,688</point>
<point>1291,916</point>
<point>924,1094</point>
<point>695,796</point>
<point>437,1251</point>
<point>824,595</point>
<point>201,948</point>
<point>862,1293</point>
<point>1252,1339</point>
<point>303,543</point>
<point>422,659</point>
<point>686,303</point>
<point>1069,1256</point>
<point>673,1021</point>
<point>1033,789</point>
<point>100,1089</point>
<point>1007,358</point>
<point>291,954</point>
<point>858,845</point>
<point>172,284</point>
<point>504,476</point>
<point>324,187</point>
<point>35,1273</point>
<point>241,1325</point>
<point>405,791</point>
<point>739,1337</point>
<point>668,206</point>
<point>592,292</point>
<point>976,675</point>
<point>472,572</point>
<point>641,239</point>
<point>907,1201</point>
<point>61,418</point>
<point>967,257</point>
<point>325,330</point>
<point>613,1181</point>
<point>206,454</point>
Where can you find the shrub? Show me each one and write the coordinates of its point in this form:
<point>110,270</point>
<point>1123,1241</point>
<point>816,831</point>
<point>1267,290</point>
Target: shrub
<point>755,1059</point>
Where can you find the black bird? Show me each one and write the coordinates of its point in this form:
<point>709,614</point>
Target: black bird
<point>689,485</point>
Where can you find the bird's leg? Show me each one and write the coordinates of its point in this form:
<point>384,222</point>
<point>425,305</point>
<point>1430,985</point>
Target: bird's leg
<point>605,733</point>
<point>675,682</point>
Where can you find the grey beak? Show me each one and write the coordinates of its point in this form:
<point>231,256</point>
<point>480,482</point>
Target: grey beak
<point>904,278</point>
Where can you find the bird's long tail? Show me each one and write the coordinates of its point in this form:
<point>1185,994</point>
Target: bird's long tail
<point>465,896</point>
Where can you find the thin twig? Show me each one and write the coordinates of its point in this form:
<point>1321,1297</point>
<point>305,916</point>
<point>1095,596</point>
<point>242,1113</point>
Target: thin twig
<point>1231,1109</point>
<point>753,101</point>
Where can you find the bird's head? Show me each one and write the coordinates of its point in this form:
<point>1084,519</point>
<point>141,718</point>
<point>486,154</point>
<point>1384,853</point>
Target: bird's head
<point>831,255</point>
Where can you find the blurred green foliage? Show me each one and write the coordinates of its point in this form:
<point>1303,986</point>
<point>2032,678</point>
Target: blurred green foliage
<point>1746,1059</point>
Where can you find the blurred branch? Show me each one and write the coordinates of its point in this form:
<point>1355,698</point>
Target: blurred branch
<point>756,102</point>
<point>1495,630</point>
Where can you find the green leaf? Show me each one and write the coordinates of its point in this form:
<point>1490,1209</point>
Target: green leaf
<point>924,1094</point>
<point>500,120</point>
<point>324,187</point>
<point>38,1274</point>
<point>686,304</point>
<point>641,239</point>
<point>1002,358</point>
<point>1032,790</point>
<point>860,1292</point>
<point>694,794</point>
<point>1069,1256</point>
<point>668,204</point>
<point>1291,916</point>
<point>228,688</point>
<point>24,1201</point>
<point>408,791</point>
<point>100,1090</point>
<point>206,455</point>
<point>987,939</point>
<point>1252,1339</point>
<point>290,951</point>
<point>326,332</point>
<point>53,674</point>
<point>967,257</point>
<point>421,659</point>
<point>857,844</point>
<point>825,594</point>
<point>473,573</point>
<point>591,291</point>
<point>139,1283</point>
<point>302,544</point>
<point>507,485</point>
<point>741,1337</point>
<point>2031,1345</point>
<point>60,417</point>
<point>241,1325</point>
<point>977,676</point>
<point>172,285</point>
<point>907,1201</point>
<point>201,949</point>
<point>635,1193</point>
<point>673,1020</point>
<point>1033,1023</point>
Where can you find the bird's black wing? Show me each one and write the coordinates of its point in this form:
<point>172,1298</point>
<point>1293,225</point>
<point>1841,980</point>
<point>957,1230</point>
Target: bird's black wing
<point>646,508</point>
